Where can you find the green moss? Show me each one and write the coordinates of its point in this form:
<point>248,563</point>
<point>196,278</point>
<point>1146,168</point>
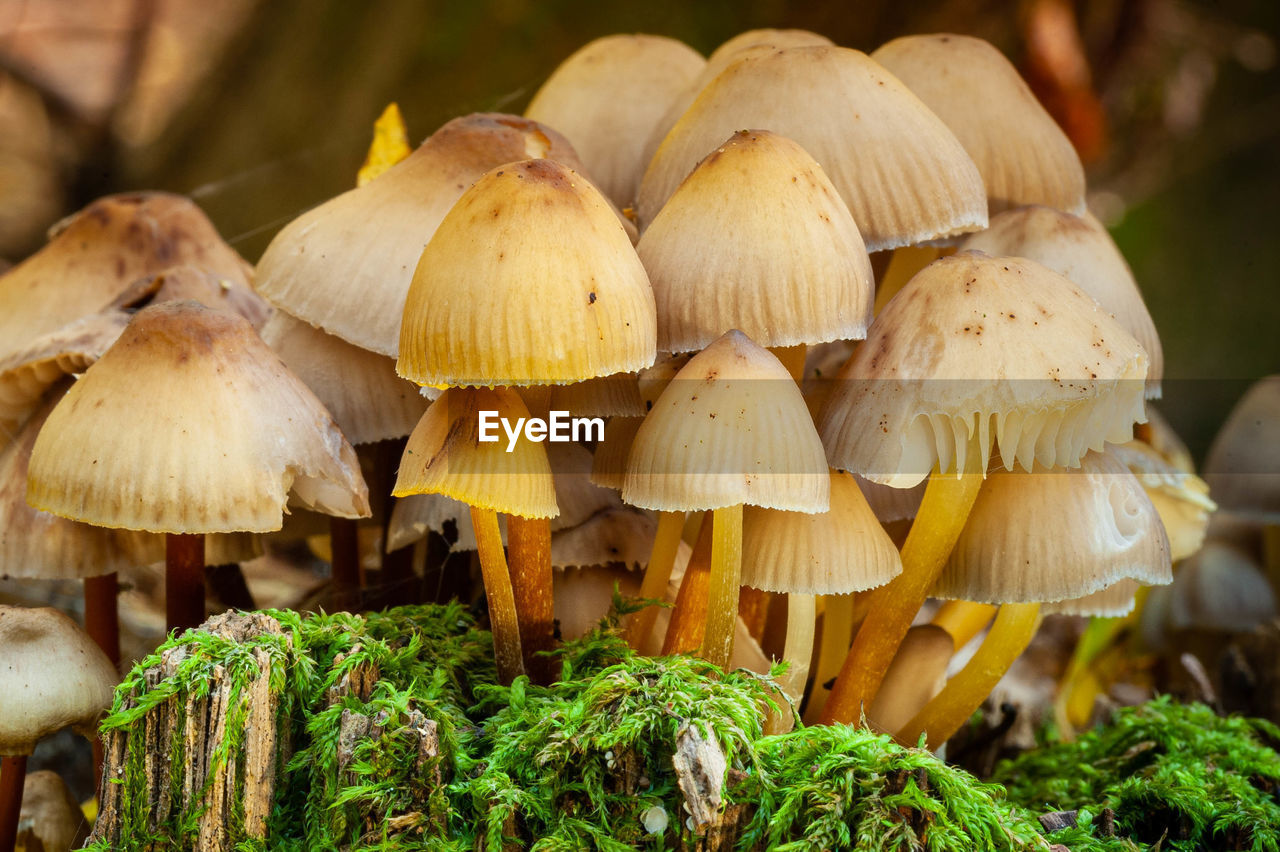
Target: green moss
<point>1174,774</point>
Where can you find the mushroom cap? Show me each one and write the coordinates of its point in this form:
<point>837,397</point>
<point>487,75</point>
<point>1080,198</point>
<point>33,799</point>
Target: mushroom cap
<point>607,97</point>
<point>52,676</point>
<point>1181,499</point>
<point>211,289</point>
<point>1243,465</point>
<point>1056,534</point>
<point>615,395</point>
<point>360,388</point>
<point>835,552</point>
<point>1111,602</point>
<point>96,254</point>
<point>191,424</point>
<point>730,428</point>
<point>445,455</point>
<point>621,536</point>
<point>757,239</point>
<point>1024,157</point>
<point>345,266</point>
<point>1220,588</point>
<point>609,462</point>
<point>1079,249</point>
<point>899,169</point>
<point>529,280</point>
<point>983,347</point>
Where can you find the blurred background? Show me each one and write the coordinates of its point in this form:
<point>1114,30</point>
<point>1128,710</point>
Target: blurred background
<point>258,110</point>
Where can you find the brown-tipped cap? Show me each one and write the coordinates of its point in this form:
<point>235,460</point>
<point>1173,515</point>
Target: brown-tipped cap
<point>835,552</point>
<point>191,424</point>
<point>1243,466</point>
<point>607,97</point>
<point>1057,534</point>
<point>446,456</point>
<point>1021,152</point>
<point>360,388</point>
<point>901,171</point>
<point>1079,249</point>
<point>757,239</point>
<point>95,255</point>
<point>731,428</point>
<point>529,280</point>
<point>52,676</point>
<point>998,348</point>
<point>27,373</point>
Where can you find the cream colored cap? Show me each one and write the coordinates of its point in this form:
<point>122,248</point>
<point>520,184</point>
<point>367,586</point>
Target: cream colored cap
<point>835,552</point>
<point>609,462</point>
<point>212,290</point>
<point>1056,534</point>
<point>997,348</point>
<point>757,239</point>
<point>529,280</point>
<point>1181,499</point>
<point>1023,155</point>
<point>446,456</point>
<point>607,97</point>
<point>1079,249</point>
<point>899,169</point>
<point>360,388</point>
<point>52,676</point>
<point>1112,602</point>
<point>190,424</point>
<point>731,428</point>
<point>1243,466</point>
<point>345,266</point>
<point>95,255</point>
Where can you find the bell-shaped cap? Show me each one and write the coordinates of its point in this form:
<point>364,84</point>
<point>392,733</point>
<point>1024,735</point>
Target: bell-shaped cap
<point>345,266</point>
<point>1023,155</point>
<point>1220,588</point>
<point>1243,465</point>
<point>191,424</point>
<point>1079,249</point>
<point>52,677</point>
<point>899,169</point>
<point>757,239</point>
<point>976,348</point>
<point>95,255</point>
<point>730,428</point>
<point>609,462</point>
<point>445,455</point>
<point>529,280</point>
<point>360,388</point>
<point>1056,534</point>
<point>607,97</point>
<point>835,552</point>
<point>1181,498</point>
<point>186,281</point>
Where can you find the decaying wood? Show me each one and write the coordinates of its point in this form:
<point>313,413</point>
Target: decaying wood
<point>709,823</point>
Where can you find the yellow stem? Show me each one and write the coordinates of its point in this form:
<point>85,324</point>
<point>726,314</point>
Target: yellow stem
<point>497,588</point>
<point>891,608</point>
<point>1009,636</point>
<point>726,573</point>
<point>666,542</point>
<point>963,619</point>
<point>529,555</point>
<point>798,650</point>
<point>837,635</point>
<point>903,266</point>
<point>792,357</point>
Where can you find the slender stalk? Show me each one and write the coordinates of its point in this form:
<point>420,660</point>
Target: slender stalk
<point>903,266</point>
<point>344,544</point>
<point>798,650</point>
<point>891,608</point>
<point>685,630</point>
<point>792,357</point>
<point>102,614</point>
<point>1009,636</point>
<point>753,609</point>
<point>184,581</point>
<point>726,577</point>
<point>529,554</point>
<point>837,636</point>
<point>497,588</point>
<point>963,619</point>
<point>13,774</point>
<point>657,574</point>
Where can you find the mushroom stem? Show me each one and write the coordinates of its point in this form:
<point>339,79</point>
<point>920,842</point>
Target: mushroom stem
<point>687,619</point>
<point>798,649</point>
<point>892,607</point>
<point>344,544</point>
<point>13,773</point>
<point>726,575</point>
<point>753,609</point>
<point>183,580</point>
<point>903,266</point>
<point>657,574</point>
<point>102,613</point>
<point>529,552</point>
<point>837,636</point>
<point>792,357</point>
<point>963,619</point>
<point>964,693</point>
<point>497,589</point>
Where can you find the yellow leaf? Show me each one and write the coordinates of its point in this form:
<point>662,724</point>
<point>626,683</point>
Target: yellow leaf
<point>390,145</point>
